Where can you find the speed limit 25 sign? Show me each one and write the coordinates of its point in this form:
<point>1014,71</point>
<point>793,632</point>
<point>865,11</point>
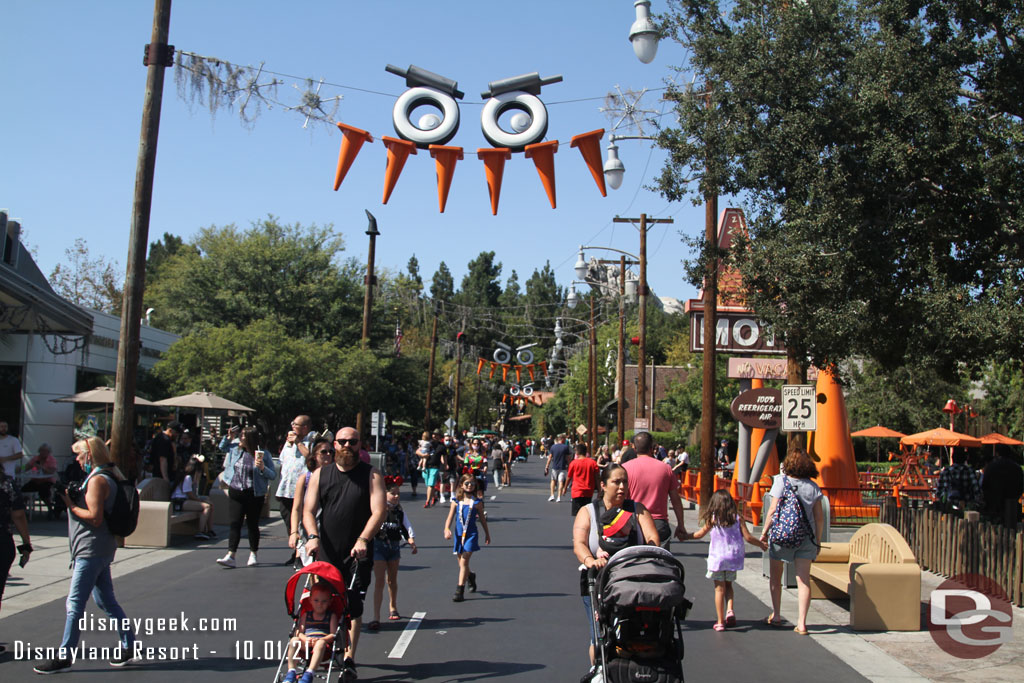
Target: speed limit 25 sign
<point>799,408</point>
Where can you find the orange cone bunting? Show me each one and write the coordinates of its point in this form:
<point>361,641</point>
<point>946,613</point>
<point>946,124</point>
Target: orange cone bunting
<point>544,366</point>
<point>589,145</point>
<point>479,365</point>
<point>398,152</point>
<point>529,369</point>
<point>446,158</point>
<point>519,375</point>
<point>543,155</point>
<point>504,373</point>
<point>494,366</point>
<point>494,159</point>
<point>350,144</point>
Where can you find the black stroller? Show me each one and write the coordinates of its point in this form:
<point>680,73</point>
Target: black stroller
<point>639,605</point>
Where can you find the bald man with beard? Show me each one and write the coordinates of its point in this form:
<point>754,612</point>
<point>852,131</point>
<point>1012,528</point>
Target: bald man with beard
<point>350,494</point>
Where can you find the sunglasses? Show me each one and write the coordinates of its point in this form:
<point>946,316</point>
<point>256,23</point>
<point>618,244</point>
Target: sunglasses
<point>325,451</point>
<point>350,442</point>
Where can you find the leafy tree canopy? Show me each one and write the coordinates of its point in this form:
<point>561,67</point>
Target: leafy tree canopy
<point>88,281</point>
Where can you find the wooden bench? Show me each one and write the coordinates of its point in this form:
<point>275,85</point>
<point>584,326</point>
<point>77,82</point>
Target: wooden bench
<point>157,521</point>
<point>879,574</point>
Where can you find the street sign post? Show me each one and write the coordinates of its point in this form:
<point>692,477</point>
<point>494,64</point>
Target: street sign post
<point>378,423</point>
<point>799,408</point>
<point>641,424</point>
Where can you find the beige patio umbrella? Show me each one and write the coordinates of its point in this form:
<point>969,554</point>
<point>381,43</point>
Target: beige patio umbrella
<point>204,400</point>
<point>100,395</point>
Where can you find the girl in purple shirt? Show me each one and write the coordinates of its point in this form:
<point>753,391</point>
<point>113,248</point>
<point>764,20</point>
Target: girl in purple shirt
<point>728,531</point>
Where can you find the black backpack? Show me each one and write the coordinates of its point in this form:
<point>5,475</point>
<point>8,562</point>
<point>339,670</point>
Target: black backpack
<point>124,516</point>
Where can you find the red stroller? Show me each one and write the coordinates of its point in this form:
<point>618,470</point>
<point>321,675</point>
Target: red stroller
<point>297,601</point>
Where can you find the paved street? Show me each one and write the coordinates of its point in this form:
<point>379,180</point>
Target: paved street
<point>526,623</point>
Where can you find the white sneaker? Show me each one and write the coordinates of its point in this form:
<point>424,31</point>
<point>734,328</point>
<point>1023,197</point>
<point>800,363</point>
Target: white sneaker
<point>558,500</point>
<point>550,498</point>
<point>252,560</point>
<point>227,561</point>
<point>442,501</point>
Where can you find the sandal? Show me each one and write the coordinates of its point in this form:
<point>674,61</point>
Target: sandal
<point>774,623</point>
<point>730,618</point>
<point>800,631</point>
<point>719,627</point>
<point>394,616</point>
<point>374,626</point>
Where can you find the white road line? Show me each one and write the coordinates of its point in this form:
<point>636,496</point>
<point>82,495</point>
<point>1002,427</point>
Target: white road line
<point>403,640</point>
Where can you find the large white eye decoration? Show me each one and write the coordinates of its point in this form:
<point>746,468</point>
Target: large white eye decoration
<point>527,390</point>
<point>519,93</point>
<point>430,90</point>
<point>524,356</point>
<point>514,390</point>
<point>502,355</point>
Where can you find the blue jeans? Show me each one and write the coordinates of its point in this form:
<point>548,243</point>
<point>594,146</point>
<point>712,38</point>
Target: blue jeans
<point>92,575</point>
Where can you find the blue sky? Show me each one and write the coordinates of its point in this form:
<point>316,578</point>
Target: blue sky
<point>74,84</point>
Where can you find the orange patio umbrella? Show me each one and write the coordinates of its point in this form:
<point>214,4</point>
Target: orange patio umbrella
<point>879,432</point>
<point>941,437</point>
<point>995,438</point>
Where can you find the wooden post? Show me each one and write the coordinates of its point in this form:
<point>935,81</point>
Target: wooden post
<point>707,424</point>
<point>458,380</point>
<point>430,375</point>
<point>158,58</point>
<point>620,366</point>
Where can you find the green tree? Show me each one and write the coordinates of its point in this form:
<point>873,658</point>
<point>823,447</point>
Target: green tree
<point>442,286</point>
<point>1004,396</point>
<point>159,252</point>
<point>512,293</point>
<point>284,273</point>
<point>88,281</point>
<point>879,148</point>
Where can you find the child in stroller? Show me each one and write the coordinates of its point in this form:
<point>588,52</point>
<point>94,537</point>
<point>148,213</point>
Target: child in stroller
<point>319,622</point>
<point>639,605</point>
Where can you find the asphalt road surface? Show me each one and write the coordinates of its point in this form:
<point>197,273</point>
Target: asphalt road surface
<point>526,623</point>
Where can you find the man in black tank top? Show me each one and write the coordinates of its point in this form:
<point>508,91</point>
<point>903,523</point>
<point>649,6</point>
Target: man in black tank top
<point>350,494</point>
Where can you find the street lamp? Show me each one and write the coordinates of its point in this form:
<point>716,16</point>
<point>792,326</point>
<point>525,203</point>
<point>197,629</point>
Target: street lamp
<point>643,33</point>
<point>614,169</point>
<point>591,369</point>
<point>372,231</point>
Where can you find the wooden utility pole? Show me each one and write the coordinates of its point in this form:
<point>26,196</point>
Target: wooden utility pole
<point>620,365</point>
<point>707,424</point>
<point>158,56</point>
<point>641,407</point>
<point>592,382</point>
<point>458,380</point>
<point>430,375</point>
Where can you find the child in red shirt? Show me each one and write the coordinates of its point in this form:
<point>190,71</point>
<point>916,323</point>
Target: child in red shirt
<point>583,474</point>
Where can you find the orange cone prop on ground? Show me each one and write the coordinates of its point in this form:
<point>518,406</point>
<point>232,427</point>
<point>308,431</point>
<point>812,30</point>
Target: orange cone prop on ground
<point>589,145</point>
<point>543,155</point>
<point>832,445</point>
<point>494,159</point>
<point>350,144</point>
<point>446,158</point>
<point>398,152</point>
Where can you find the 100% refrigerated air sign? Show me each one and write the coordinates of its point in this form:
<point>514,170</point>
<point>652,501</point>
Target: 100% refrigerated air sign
<point>799,408</point>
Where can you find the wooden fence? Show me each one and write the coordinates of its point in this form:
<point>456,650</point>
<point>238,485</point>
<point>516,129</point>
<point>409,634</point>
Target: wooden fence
<point>949,545</point>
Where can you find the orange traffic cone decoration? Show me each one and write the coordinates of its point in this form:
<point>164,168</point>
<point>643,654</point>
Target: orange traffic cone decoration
<point>831,445</point>
<point>529,369</point>
<point>446,159</point>
<point>398,152</point>
<point>494,159</point>
<point>494,366</point>
<point>544,366</point>
<point>479,365</point>
<point>589,145</point>
<point>504,373</point>
<point>350,144</point>
<point>543,155</point>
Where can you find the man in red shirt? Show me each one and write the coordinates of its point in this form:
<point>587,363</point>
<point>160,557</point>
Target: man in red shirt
<point>583,475</point>
<point>652,483</point>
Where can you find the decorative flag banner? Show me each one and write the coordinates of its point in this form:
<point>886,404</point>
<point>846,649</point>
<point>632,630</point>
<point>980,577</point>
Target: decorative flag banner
<point>433,132</point>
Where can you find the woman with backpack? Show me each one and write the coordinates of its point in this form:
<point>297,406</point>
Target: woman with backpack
<point>92,552</point>
<point>793,528</point>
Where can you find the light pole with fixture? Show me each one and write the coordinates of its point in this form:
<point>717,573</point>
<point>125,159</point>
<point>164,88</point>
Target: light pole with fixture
<point>643,33</point>
<point>570,301</point>
<point>372,231</point>
<point>620,365</point>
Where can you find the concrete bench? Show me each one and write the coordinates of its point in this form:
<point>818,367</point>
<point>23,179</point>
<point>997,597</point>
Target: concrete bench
<point>878,572</point>
<point>157,520</point>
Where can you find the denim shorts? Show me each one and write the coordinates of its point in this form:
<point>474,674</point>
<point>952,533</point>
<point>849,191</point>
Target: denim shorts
<point>805,551</point>
<point>386,552</point>
<point>722,575</point>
